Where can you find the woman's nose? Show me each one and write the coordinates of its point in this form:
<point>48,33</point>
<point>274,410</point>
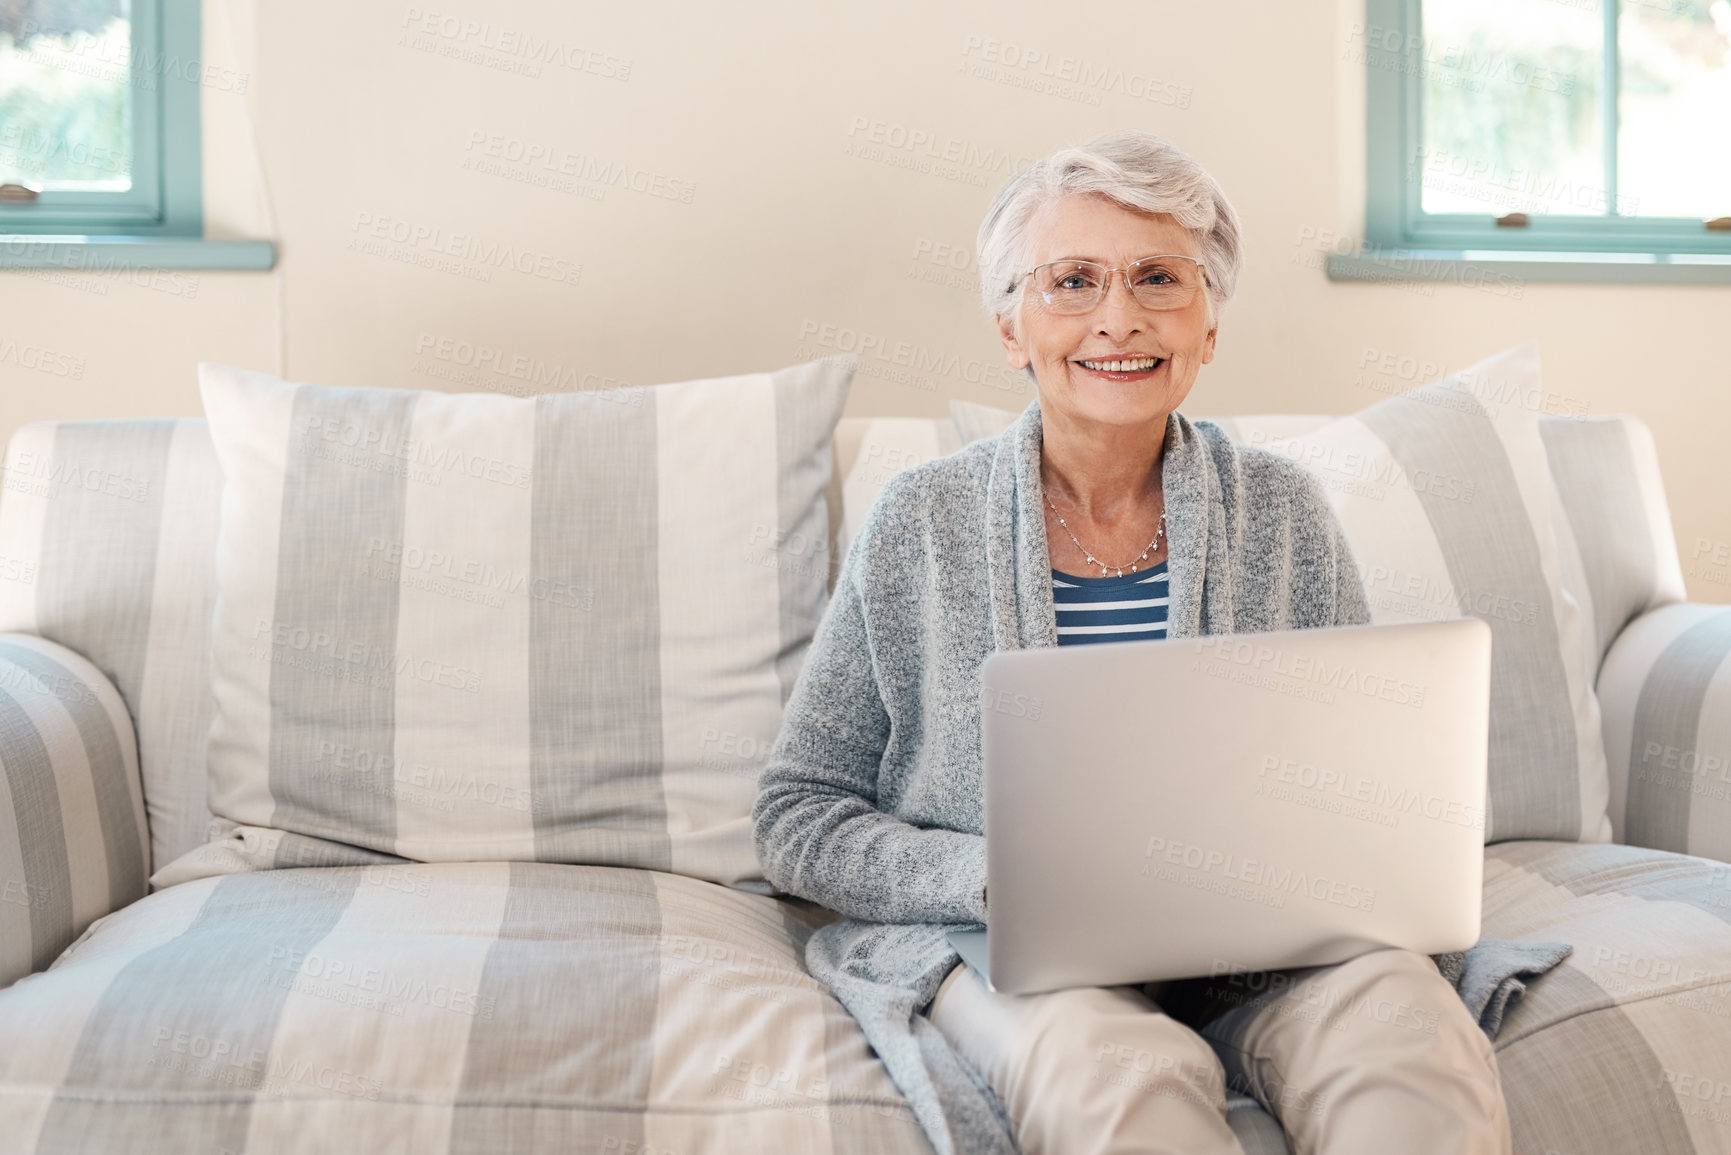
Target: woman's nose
<point>1119,313</point>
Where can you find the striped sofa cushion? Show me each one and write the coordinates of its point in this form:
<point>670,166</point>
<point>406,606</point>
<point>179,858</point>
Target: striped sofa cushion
<point>448,1007</point>
<point>1626,1046</point>
<point>476,627</point>
<point>1447,497</point>
<point>1666,690</point>
<point>72,832</point>
<point>108,546</point>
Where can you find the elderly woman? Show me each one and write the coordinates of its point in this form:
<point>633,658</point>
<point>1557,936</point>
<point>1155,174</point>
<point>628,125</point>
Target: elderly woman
<point>1106,267</point>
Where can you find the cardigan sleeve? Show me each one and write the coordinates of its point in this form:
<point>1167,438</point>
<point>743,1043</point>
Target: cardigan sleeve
<point>1351,607</point>
<point>1322,548</point>
<point>816,824</point>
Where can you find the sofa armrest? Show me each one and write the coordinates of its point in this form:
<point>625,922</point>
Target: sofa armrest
<point>73,840</point>
<point>1665,693</point>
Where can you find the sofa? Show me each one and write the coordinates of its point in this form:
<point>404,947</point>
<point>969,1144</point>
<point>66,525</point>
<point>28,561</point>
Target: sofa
<point>313,997</point>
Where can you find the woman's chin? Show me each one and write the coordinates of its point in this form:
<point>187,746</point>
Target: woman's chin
<point>1122,403</point>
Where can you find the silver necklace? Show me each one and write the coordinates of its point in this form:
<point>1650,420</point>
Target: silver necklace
<point>1159,532</point>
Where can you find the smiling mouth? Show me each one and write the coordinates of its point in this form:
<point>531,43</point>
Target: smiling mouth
<point>1124,365</point>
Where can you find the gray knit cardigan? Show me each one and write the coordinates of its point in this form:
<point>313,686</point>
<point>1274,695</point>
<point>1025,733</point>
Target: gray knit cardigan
<point>871,801</point>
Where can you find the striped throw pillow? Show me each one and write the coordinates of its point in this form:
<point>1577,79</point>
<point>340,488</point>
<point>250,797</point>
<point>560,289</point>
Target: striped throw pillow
<point>1446,496</point>
<point>475,627</point>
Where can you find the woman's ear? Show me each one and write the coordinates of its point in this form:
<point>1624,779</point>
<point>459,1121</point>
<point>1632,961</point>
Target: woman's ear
<point>1208,345</point>
<point>1013,351</point>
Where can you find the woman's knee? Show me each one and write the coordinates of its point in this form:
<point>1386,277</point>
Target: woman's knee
<point>1102,1038</point>
<point>1401,997</point>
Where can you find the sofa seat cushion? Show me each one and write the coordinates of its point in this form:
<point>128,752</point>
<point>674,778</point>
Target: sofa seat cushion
<point>446,1007</point>
<point>1627,1045</point>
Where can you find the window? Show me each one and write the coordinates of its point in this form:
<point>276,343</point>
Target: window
<point>99,130</point>
<point>1546,125</point>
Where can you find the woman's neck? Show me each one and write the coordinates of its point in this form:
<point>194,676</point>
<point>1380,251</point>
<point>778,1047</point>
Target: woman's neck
<point>1103,472</point>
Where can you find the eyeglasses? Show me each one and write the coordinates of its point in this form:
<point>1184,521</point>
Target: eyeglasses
<point>1165,281</point>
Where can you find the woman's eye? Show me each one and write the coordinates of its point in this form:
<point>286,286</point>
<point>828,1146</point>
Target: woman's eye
<point>1074,281</point>
<point>1157,277</point>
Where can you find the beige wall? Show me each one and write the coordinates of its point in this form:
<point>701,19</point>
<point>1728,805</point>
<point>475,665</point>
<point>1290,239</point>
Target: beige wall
<point>782,211</point>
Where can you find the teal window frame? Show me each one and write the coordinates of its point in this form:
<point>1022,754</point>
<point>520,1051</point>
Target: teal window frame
<point>166,198</point>
<point>1394,216</point>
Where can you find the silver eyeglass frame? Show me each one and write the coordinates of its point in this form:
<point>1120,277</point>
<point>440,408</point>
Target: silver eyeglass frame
<point>1123,272</point>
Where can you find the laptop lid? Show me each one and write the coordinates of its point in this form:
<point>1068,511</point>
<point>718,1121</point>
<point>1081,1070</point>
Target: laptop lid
<point>1165,809</point>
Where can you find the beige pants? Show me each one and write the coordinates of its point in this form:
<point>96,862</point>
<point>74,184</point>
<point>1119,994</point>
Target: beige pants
<point>1371,1056</point>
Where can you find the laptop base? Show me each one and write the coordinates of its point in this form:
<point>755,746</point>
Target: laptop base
<point>971,945</point>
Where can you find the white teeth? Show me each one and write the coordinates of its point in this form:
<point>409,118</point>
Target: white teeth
<point>1134,365</point>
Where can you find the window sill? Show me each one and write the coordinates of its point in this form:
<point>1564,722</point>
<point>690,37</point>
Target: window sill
<point>107,254</point>
<point>1487,268</point>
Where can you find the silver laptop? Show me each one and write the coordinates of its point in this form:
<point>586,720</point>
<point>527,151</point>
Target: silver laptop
<point>1245,802</point>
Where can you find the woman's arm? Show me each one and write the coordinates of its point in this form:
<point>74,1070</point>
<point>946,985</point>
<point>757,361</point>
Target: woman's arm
<point>1322,547</point>
<point>1351,607</point>
<point>1285,511</point>
<point>818,830</point>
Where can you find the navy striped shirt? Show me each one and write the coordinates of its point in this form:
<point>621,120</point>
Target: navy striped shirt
<point>1131,607</point>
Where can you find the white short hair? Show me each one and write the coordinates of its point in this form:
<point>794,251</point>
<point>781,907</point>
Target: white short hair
<point>1137,170</point>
